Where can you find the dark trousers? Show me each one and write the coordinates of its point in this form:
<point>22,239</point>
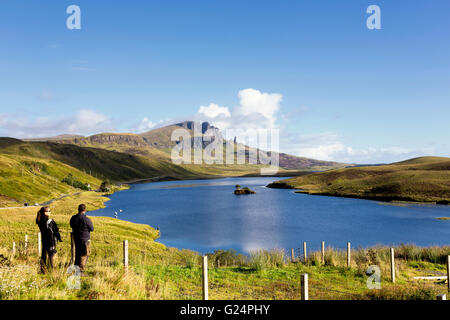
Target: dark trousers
<point>82,252</point>
<point>47,257</point>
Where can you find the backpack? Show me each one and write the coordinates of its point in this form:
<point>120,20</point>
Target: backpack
<point>51,236</point>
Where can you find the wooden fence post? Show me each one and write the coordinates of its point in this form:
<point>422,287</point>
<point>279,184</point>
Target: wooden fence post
<point>292,255</point>
<point>14,249</point>
<point>205,278</point>
<point>441,297</point>
<point>305,255</point>
<point>348,254</point>
<point>26,244</point>
<point>323,252</point>
<point>39,244</point>
<point>125,255</point>
<point>304,286</point>
<point>392,266</point>
<point>72,249</point>
<point>448,273</point>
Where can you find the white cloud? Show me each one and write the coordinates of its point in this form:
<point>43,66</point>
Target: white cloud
<point>213,111</point>
<point>256,110</point>
<point>256,102</point>
<point>145,125</point>
<point>84,122</point>
<point>88,121</point>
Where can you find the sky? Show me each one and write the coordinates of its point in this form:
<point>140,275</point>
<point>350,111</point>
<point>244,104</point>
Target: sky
<point>335,89</point>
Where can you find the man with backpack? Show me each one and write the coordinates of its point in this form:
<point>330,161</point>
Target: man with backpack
<point>81,229</point>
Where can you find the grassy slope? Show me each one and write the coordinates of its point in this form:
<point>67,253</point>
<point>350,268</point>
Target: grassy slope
<point>420,179</point>
<point>161,137</point>
<point>105,279</point>
<point>136,145</point>
<point>28,179</point>
<point>113,165</point>
<point>159,272</point>
<point>32,171</point>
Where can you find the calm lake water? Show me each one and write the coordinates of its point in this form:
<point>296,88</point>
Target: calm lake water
<point>205,215</point>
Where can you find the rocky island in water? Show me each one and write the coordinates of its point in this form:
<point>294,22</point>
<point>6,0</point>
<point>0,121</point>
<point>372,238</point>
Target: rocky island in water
<point>245,190</point>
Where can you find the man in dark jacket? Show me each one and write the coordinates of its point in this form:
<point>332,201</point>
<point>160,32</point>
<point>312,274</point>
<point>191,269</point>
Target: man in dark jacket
<point>81,229</point>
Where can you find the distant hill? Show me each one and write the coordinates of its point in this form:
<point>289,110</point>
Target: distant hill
<point>161,137</point>
<point>56,138</point>
<point>157,143</point>
<point>425,179</point>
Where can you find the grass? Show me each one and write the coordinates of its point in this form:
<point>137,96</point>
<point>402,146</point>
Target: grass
<point>160,272</point>
<point>26,179</point>
<point>425,179</point>
<point>99,163</point>
<point>331,281</point>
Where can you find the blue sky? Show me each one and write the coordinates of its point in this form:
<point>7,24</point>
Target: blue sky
<point>345,92</point>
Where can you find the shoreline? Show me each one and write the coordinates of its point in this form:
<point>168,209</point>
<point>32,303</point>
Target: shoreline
<point>177,178</point>
<point>388,199</point>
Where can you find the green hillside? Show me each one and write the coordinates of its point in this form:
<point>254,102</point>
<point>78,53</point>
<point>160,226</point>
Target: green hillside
<point>26,179</point>
<point>424,179</point>
<point>33,171</point>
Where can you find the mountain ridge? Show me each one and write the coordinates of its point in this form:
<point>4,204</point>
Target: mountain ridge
<point>157,142</point>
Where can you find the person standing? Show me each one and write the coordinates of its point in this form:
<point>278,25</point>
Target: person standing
<point>49,237</point>
<point>81,229</point>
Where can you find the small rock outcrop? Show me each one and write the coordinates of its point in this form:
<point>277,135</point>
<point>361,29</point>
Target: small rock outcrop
<point>279,185</point>
<point>245,190</point>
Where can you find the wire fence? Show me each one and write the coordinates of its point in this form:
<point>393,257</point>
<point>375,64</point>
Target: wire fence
<point>233,282</point>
